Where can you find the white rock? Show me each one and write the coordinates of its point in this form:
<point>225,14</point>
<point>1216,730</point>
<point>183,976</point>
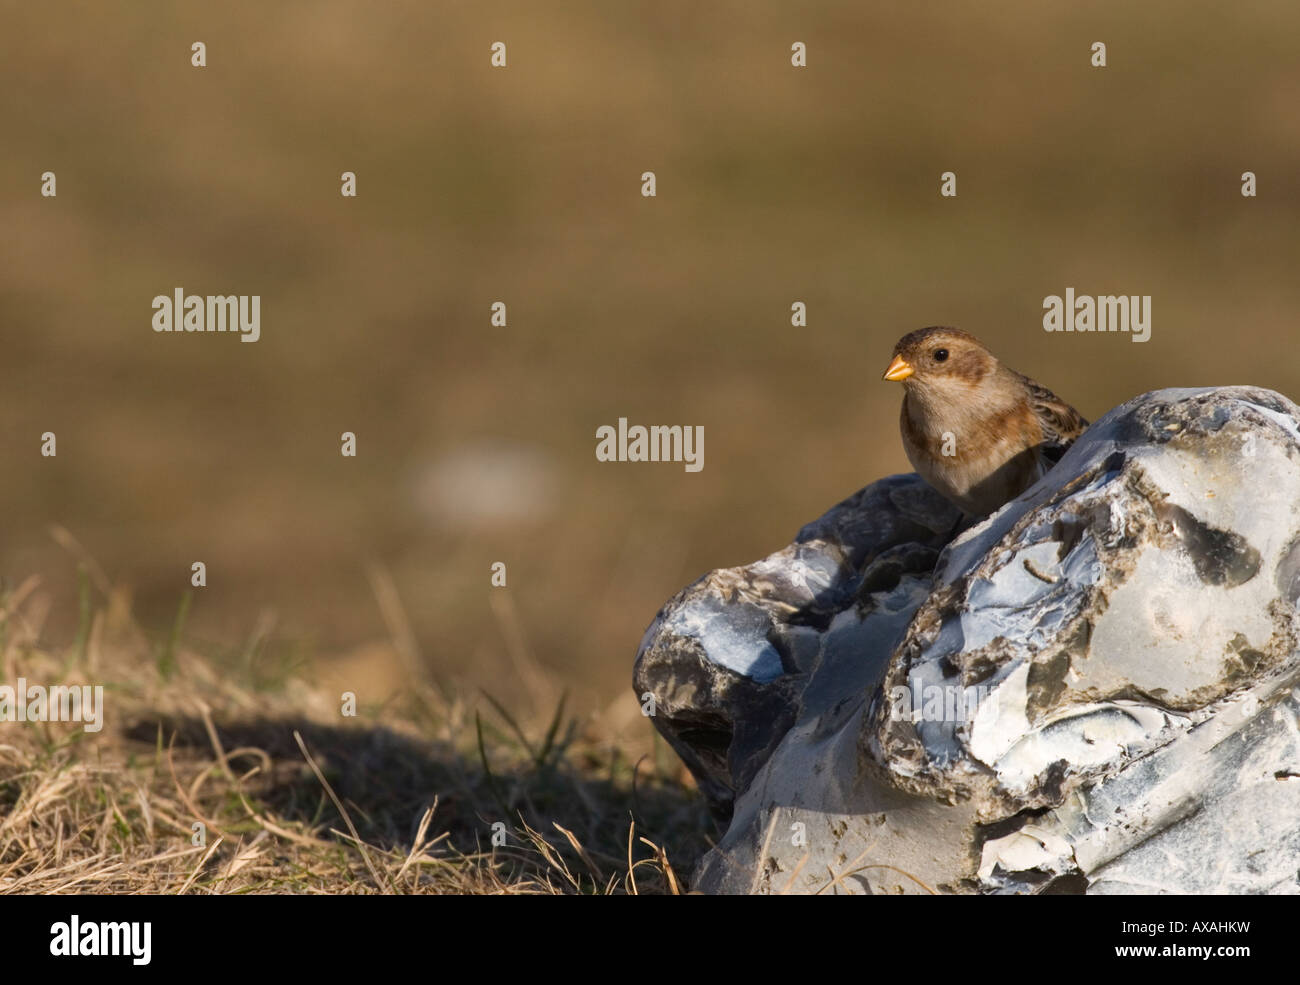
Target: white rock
<point>1129,624</point>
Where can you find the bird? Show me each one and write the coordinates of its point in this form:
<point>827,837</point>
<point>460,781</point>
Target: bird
<point>974,429</point>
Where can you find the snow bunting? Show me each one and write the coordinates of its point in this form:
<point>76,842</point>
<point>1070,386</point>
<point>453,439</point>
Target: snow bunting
<point>976,430</point>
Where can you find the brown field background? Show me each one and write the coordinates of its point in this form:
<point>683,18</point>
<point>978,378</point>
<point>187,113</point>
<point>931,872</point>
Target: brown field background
<point>476,444</point>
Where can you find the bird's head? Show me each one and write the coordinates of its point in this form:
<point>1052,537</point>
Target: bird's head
<point>945,357</point>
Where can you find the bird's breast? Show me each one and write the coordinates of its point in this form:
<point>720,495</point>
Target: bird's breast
<point>978,460</point>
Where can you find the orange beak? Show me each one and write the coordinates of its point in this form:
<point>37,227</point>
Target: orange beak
<point>899,370</point>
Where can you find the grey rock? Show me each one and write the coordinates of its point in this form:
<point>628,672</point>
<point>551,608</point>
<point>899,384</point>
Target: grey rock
<point>728,658</point>
<point>1094,689</point>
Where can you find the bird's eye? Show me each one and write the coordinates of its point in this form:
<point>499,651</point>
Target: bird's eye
<point>940,355</point>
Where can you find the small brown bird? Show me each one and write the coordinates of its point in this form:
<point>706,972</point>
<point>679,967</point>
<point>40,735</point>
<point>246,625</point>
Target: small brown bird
<point>977,431</point>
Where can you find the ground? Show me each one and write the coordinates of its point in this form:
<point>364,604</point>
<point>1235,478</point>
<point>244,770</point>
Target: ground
<point>296,797</point>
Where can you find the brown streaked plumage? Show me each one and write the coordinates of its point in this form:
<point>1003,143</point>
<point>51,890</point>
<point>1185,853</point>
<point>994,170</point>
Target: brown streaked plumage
<point>976,430</point>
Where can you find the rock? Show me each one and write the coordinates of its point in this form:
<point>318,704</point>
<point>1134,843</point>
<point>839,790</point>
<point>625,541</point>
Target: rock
<point>1095,689</point>
<point>728,659</point>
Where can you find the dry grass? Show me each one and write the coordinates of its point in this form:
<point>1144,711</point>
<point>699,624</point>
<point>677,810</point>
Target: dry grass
<point>295,797</point>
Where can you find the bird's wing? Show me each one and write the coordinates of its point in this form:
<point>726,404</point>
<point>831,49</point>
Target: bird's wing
<point>1061,423</point>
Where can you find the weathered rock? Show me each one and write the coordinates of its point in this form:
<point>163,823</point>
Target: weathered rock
<point>728,658</point>
<point>1094,689</point>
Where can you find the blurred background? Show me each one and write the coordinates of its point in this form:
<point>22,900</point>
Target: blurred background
<point>476,443</point>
